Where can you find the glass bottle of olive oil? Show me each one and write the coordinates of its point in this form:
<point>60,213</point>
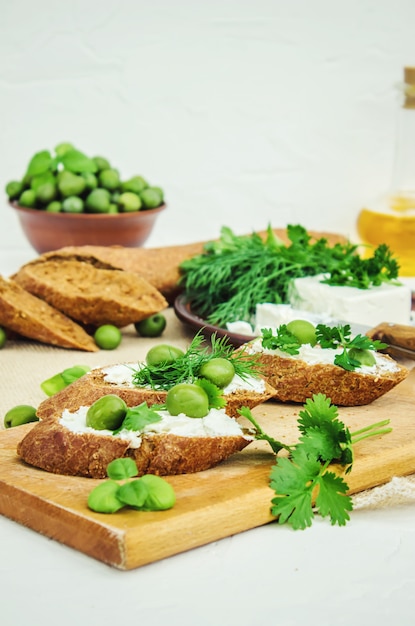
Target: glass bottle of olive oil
<point>391,219</point>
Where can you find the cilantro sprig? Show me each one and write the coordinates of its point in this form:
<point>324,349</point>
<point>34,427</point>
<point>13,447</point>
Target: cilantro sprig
<point>281,339</point>
<point>304,483</point>
<point>138,417</point>
<point>340,337</point>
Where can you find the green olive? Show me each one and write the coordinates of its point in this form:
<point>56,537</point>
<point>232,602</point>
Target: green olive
<point>108,337</point>
<point>73,204</point>
<point>151,198</point>
<point>20,414</point>
<point>107,413</point>
<point>189,399</point>
<point>98,201</point>
<point>109,178</point>
<point>303,330</point>
<point>13,189</point>
<point>219,371</point>
<point>152,326</point>
<point>129,202</point>
<point>161,495</point>
<point>3,337</point>
<point>163,353</point>
<point>365,357</point>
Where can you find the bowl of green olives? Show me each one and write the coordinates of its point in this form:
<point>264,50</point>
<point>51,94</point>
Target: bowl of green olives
<point>67,198</point>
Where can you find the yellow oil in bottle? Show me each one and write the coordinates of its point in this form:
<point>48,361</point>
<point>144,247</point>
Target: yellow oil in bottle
<point>396,229</point>
<point>391,219</point>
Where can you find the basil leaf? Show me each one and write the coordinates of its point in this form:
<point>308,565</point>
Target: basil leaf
<point>77,162</point>
<point>39,163</point>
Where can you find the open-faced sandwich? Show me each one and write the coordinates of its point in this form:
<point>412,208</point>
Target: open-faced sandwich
<point>187,434</point>
<point>299,360</point>
<point>222,368</point>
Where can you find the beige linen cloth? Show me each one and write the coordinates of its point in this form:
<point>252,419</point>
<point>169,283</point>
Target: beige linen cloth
<point>25,364</point>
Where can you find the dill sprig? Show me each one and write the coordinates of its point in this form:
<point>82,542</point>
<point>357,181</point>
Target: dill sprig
<point>235,273</point>
<point>186,368</point>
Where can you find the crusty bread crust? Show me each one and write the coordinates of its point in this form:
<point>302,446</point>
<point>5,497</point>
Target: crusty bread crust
<point>91,295</point>
<point>31,317</point>
<point>52,447</point>
<point>295,381</point>
<point>91,386</point>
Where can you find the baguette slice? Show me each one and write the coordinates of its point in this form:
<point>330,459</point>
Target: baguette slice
<point>91,295</point>
<point>31,317</point>
<point>93,385</point>
<point>51,446</point>
<point>296,380</point>
<point>159,266</point>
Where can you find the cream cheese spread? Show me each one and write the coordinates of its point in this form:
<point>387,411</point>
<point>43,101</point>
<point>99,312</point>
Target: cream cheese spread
<point>215,424</point>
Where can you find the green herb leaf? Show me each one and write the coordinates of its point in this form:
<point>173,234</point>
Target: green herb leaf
<point>104,498</point>
<point>282,339</point>
<point>71,374</point>
<point>332,500</point>
<point>77,162</point>
<point>138,417</point>
<point>120,469</point>
<point>39,163</point>
<point>133,493</point>
<point>214,394</point>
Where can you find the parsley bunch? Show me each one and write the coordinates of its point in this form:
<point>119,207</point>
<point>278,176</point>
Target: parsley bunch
<point>302,482</point>
<point>235,273</point>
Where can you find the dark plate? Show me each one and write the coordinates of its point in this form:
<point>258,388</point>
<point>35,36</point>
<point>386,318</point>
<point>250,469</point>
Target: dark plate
<point>185,314</point>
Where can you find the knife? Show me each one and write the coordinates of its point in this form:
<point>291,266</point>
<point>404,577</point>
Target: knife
<point>399,337</point>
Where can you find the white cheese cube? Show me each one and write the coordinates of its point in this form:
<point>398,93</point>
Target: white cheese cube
<point>386,303</point>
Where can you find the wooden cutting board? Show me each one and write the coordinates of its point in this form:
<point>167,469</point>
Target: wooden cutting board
<point>217,503</point>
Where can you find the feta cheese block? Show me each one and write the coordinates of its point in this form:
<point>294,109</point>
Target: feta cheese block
<point>386,303</point>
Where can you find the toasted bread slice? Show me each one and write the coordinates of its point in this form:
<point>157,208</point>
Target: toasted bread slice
<point>91,295</point>
<point>31,317</point>
<point>51,446</point>
<point>93,385</point>
<point>295,380</point>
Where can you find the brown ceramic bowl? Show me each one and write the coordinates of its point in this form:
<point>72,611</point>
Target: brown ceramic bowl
<point>51,231</point>
<point>183,311</point>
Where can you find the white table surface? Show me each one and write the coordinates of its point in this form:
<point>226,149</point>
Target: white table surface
<point>363,573</point>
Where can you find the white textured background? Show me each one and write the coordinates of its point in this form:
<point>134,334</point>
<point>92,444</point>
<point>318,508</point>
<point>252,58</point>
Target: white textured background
<point>245,111</point>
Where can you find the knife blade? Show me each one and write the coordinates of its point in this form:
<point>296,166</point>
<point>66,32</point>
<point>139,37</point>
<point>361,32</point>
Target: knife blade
<point>399,337</point>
